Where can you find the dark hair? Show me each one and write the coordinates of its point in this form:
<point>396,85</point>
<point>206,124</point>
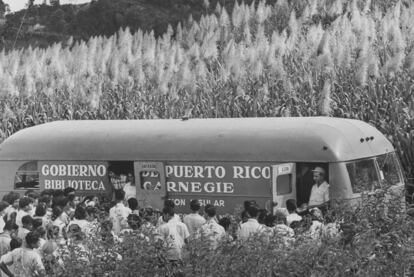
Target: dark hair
<point>40,230</point>
<point>58,193</point>
<point>210,210</point>
<point>13,196</point>
<point>34,195</point>
<point>10,225</point>
<point>253,211</point>
<point>133,203</point>
<point>134,221</point>
<point>280,217</point>
<point>15,243</point>
<point>119,194</point>
<point>90,210</point>
<point>291,205</point>
<point>244,214</point>
<point>29,192</point>
<point>47,192</point>
<point>225,222</point>
<point>80,212</point>
<point>270,220</point>
<point>25,201</point>
<point>75,231</point>
<point>52,231</point>
<point>40,209</point>
<point>45,199</point>
<point>195,205</point>
<point>68,190</point>
<point>27,219</point>
<point>31,238</point>
<point>37,222</point>
<point>248,203</point>
<point>61,201</point>
<point>169,203</point>
<point>168,210</point>
<point>262,216</point>
<point>56,212</point>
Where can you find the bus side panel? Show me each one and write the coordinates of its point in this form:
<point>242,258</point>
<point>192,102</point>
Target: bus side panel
<point>8,171</point>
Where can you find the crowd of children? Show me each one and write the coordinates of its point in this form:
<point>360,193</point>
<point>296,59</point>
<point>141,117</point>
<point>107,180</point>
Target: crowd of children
<point>36,229</point>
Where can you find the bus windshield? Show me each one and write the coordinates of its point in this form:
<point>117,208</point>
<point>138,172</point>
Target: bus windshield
<point>367,174</point>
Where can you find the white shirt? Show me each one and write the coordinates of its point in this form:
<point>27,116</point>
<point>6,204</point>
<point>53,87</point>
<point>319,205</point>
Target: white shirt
<point>119,215</point>
<point>161,221</point>
<point>173,234</point>
<point>19,215</point>
<point>319,194</point>
<point>193,222</point>
<point>293,217</point>
<point>249,228</point>
<point>130,191</point>
<point>212,233</point>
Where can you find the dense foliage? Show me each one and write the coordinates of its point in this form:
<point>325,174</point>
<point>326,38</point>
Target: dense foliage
<point>374,240</point>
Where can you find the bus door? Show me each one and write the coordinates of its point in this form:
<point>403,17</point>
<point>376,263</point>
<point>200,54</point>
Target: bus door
<point>150,183</point>
<point>283,184</point>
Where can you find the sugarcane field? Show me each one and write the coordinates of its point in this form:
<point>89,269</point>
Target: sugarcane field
<point>206,138</point>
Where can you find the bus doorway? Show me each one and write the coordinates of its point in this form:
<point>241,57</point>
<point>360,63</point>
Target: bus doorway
<point>304,180</point>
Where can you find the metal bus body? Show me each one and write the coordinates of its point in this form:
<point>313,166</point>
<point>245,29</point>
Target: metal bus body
<point>223,162</point>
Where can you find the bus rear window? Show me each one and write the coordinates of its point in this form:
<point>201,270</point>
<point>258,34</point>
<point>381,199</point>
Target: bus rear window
<point>27,177</point>
<point>363,175</point>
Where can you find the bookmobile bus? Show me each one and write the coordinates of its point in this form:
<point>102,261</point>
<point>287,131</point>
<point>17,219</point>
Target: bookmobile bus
<point>219,161</point>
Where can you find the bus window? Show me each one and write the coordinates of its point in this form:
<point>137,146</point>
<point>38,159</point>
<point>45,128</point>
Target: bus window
<point>27,177</point>
<point>363,175</point>
<point>388,165</point>
<point>284,184</point>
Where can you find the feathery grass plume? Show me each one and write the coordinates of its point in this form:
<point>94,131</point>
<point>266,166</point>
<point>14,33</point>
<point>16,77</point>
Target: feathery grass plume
<point>362,63</point>
<point>397,44</point>
<point>325,99</point>
<point>336,8</point>
<point>206,4</point>
<point>236,16</point>
<point>373,63</point>
<point>409,62</point>
<point>355,16</point>
<point>367,7</point>
<point>293,31</point>
<point>313,7</point>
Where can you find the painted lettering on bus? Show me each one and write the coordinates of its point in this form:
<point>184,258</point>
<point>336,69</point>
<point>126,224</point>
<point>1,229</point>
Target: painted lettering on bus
<point>90,185</point>
<point>73,170</point>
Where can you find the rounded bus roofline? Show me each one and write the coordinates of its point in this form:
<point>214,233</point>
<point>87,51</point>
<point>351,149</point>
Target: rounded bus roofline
<point>297,139</point>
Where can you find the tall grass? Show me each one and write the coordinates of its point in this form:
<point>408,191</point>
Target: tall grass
<point>350,59</point>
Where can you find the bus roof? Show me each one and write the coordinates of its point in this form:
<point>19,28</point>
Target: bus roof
<point>312,139</point>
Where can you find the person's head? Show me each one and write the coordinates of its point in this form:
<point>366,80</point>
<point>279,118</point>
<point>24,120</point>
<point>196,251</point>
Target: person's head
<point>34,195</point>
<point>133,203</point>
<point>37,222</point>
<point>90,213</point>
<point>75,233</point>
<point>244,216</point>
<point>148,214</point>
<point>3,206</point>
<point>210,210</point>
<point>26,204</point>
<point>291,205</point>
<point>225,222</point>
<point>169,203</point>
<point>40,209</point>
<point>41,231</point>
<point>195,205</point>
<point>119,195</point>
<point>262,215</point>
<point>280,218</point>
<point>46,200</point>
<point>80,212</point>
<point>253,211</point>
<point>11,227</point>
<point>248,203</point>
<point>69,192</point>
<point>134,221</point>
<point>27,222</point>
<point>270,220</point>
<point>14,199</point>
<point>32,240</point>
<point>57,211</point>
<point>167,213</point>
<point>15,243</point>
<point>318,175</point>
<point>47,192</point>
<point>52,232</point>
<point>316,214</point>
<point>60,201</point>
<point>58,193</point>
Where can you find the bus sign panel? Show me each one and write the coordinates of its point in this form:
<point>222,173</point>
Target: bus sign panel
<point>83,176</point>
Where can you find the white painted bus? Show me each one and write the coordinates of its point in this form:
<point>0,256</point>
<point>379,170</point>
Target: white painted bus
<point>220,161</point>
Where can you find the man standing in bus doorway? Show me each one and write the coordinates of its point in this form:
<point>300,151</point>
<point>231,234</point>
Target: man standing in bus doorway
<point>320,191</point>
